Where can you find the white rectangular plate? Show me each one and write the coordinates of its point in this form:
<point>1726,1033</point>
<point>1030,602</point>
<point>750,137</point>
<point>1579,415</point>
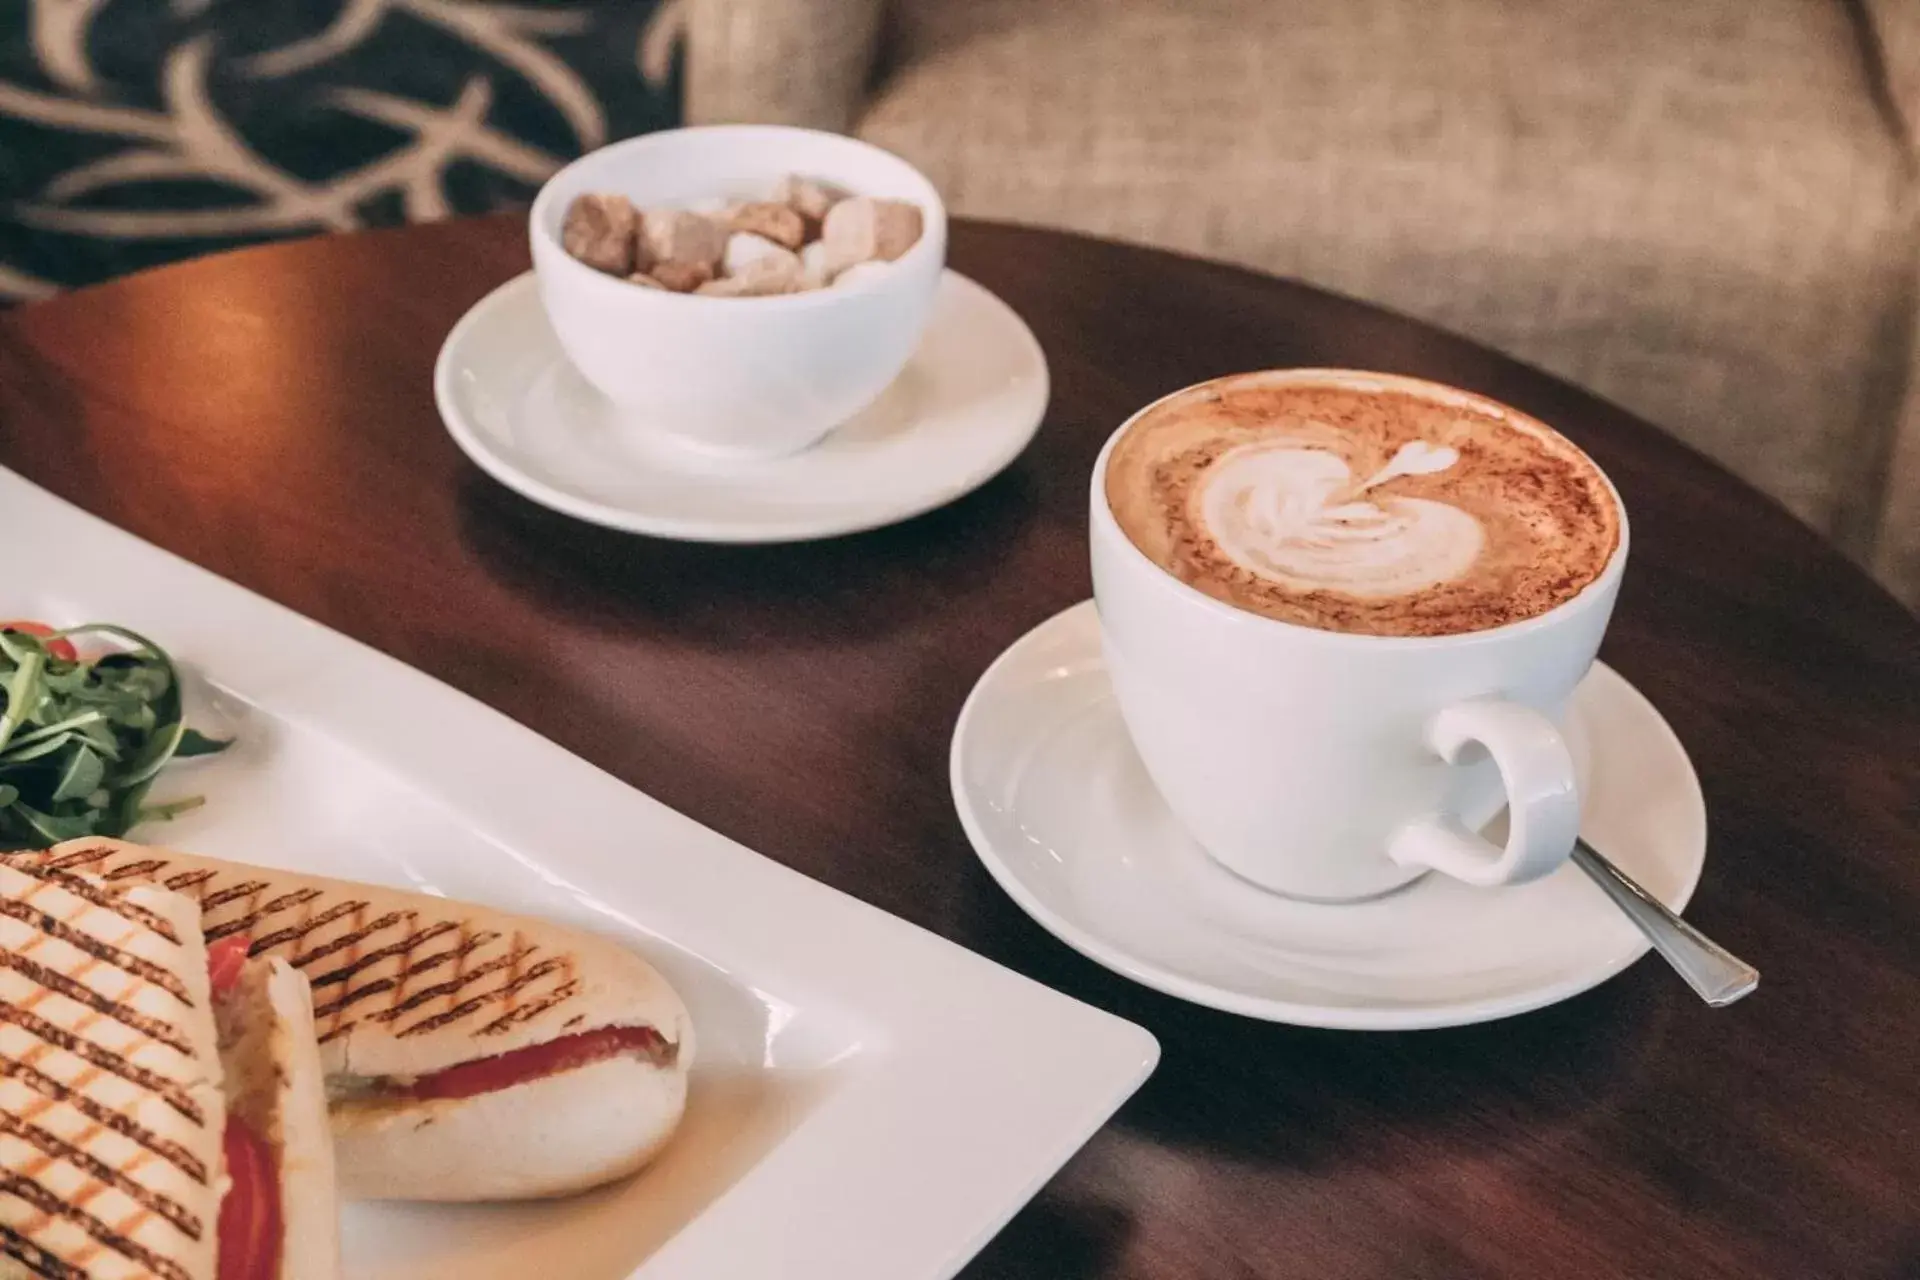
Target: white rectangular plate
<point>869,1100</point>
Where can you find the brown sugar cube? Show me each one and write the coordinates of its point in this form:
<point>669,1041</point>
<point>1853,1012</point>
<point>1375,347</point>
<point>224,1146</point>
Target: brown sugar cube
<point>808,198</point>
<point>775,222</point>
<point>599,230</point>
<point>681,277</point>
<point>863,229</point>
<point>677,235</point>
<point>775,273</point>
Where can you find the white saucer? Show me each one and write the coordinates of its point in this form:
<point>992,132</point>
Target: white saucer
<point>965,406</point>
<point>1061,811</point>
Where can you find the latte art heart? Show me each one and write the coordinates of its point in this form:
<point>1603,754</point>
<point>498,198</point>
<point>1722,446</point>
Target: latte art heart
<point>1292,516</point>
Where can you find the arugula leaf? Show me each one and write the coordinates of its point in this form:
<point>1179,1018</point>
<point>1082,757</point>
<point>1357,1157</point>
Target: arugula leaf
<point>172,809</point>
<point>81,777</point>
<point>81,741</point>
<point>152,756</point>
<point>124,813</point>
<point>34,751</point>
<point>23,692</point>
<point>99,736</point>
<point>56,728</point>
<point>53,829</point>
<point>194,743</point>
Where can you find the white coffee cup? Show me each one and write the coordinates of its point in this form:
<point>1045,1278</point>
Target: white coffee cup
<point>1337,766</point>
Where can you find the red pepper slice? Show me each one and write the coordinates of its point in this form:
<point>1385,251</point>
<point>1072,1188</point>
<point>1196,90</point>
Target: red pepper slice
<point>61,648</point>
<point>250,1226</point>
<point>504,1070</point>
<point>225,959</point>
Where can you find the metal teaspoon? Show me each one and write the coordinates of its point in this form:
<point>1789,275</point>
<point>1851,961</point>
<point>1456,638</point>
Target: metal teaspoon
<point>1717,975</point>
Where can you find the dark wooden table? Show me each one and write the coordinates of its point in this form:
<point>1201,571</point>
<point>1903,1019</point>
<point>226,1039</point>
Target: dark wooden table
<point>269,415</point>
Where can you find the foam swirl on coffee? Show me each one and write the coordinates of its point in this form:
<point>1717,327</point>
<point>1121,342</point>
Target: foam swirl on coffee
<point>1362,506</point>
<point>1295,517</point>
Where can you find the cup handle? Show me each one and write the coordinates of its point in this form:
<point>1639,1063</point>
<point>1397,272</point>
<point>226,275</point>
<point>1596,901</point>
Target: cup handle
<point>1543,798</point>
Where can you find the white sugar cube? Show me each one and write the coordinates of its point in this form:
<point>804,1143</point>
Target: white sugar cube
<point>744,248</point>
<point>815,271</point>
<point>759,278</point>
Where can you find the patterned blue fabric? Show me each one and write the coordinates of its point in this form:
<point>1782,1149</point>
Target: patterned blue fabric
<point>134,132</point>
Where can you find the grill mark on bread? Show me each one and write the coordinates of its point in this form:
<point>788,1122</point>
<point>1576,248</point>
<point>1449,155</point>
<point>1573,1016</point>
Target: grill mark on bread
<point>106,1059</point>
<point>355,937</point>
<point>460,959</point>
<point>455,955</point>
<point>280,937</point>
<point>43,1104</point>
<point>55,1207</point>
<point>410,946</point>
<point>256,916</point>
<point>537,972</point>
<point>106,1006</point>
<point>233,893</point>
<point>147,1198</point>
<point>451,988</point>
<point>336,1017</point>
<point>402,948</point>
<point>47,1087</point>
<point>195,880</point>
<point>86,890</point>
<point>432,962</point>
<point>350,940</point>
<point>38,1261</point>
<point>132,870</point>
<point>513,972</point>
<point>406,970</point>
<point>80,857</point>
<point>504,993</point>
<point>527,1012</point>
<point>106,953</point>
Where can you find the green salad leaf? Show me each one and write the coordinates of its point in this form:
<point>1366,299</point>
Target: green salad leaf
<point>82,738</point>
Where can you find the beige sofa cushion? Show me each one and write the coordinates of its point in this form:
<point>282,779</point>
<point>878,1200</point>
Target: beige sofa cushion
<point>802,62</point>
<point>1694,209</point>
<point>1893,27</point>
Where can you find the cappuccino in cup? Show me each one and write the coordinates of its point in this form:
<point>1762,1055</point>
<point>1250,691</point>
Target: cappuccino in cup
<point>1344,613</point>
<point>1361,509</point>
